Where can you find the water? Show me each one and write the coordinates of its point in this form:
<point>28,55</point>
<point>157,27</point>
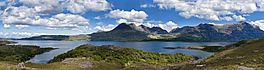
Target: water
<point>64,46</point>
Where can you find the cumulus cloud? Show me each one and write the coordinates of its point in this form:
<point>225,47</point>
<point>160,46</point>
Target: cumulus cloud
<point>63,21</point>
<point>27,16</point>
<point>259,23</point>
<point>107,27</point>
<point>74,6</point>
<point>132,16</point>
<point>49,13</point>
<point>170,25</point>
<point>213,9</point>
<point>43,6</point>
<point>239,18</point>
<point>80,6</point>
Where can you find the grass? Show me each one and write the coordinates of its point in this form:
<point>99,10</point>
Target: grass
<point>248,54</point>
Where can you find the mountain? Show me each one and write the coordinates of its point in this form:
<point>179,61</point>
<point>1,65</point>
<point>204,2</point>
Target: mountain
<point>47,37</point>
<point>141,28</point>
<point>203,32</point>
<point>59,37</point>
<point>228,32</point>
<point>127,32</point>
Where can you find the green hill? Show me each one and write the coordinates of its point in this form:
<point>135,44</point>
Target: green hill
<point>125,57</point>
<point>242,55</point>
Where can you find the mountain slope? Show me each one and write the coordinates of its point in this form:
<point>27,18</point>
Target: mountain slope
<point>47,37</point>
<point>127,32</point>
<point>229,32</point>
<point>244,55</point>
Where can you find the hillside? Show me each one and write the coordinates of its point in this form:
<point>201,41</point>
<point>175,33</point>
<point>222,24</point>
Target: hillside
<point>127,32</point>
<point>59,37</point>
<point>228,32</point>
<point>125,57</point>
<point>242,55</point>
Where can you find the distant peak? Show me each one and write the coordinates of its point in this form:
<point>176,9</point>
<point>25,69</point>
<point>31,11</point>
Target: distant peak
<point>205,24</point>
<point>242,22</point>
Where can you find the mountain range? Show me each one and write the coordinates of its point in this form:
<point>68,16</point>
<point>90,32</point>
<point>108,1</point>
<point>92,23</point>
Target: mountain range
<point>203,32</point>
<point>228,32</point>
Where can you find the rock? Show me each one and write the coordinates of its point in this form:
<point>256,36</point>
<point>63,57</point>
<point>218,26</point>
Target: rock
<point>21,65</point>
<point>200,65</point>
<point>240,57</point>
<point>85,64</point>
<point>245,68</point>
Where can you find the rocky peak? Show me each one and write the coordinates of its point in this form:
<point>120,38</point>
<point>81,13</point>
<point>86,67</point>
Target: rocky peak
<point>157,30</point>
<point>140,28</point>
<point>122,26</point>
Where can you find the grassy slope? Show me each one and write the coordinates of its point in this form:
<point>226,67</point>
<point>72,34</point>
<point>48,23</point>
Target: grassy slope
<point>249,54</point>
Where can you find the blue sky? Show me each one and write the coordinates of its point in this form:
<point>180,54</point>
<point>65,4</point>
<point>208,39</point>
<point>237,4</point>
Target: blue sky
<point>24,18</point>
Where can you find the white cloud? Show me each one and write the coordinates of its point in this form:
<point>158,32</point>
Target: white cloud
<point>28,16</point>
<point>102,27</point>
<point>49,13</point>
<point>216,24</point>
<point>122,21</point>
<point>97,18</point>
<point>168,26</point>
<point>132,16</point>
<point>239,18</point>
<point>80,6</point>
<point>21,26</point>
<point>63,21</point>
<point>74,6</point>
<point>6,26</point>
<point>148,6</point>
<point>213,9</point>
<point>43,6</point>
<point>259,23</point>
<point>227,18</point>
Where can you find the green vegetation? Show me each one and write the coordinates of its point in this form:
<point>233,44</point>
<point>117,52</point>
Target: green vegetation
<point>125,57</point>
<point>19,53</point>
<point>203,48</point>
<point>79,38</point>
<point>5,42</point>
<point>242,55</point>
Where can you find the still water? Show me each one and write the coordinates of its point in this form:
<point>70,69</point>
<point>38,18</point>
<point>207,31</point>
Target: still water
<point>64,46</point>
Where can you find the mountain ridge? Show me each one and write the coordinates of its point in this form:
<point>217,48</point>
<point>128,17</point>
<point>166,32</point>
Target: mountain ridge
<point>202,32</point>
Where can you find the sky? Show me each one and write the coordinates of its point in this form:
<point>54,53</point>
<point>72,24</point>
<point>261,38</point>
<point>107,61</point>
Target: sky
<point>25,18</point>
